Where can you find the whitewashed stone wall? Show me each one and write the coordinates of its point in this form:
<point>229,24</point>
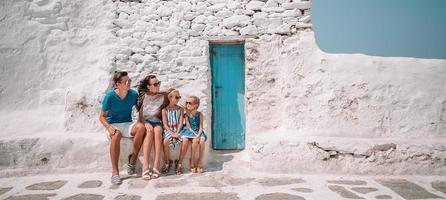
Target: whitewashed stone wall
<point>171,38</point>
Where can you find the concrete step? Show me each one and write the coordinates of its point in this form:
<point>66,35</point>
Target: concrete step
<point>77,152</point>
<point>287,153</point>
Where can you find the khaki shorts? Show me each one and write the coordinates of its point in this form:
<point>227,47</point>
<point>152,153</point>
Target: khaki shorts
<point>125,128</point>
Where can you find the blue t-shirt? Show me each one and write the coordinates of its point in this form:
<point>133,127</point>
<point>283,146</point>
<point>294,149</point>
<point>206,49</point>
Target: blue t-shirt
<point>119,110</point>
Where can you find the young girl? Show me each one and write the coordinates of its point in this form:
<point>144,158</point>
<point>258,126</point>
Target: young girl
<point>172,117</point>
<point>193,131</point>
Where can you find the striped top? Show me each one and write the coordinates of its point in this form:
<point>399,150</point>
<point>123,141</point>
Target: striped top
<point>173,117</point>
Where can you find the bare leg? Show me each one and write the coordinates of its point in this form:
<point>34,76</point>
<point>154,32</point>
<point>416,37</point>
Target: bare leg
<point>200,159</point>
<point>158,140</point>
<point>114,152</point>
<point>138,133</point>
<point>147,147</point>
<point>183,150</point>
<point>166,150</point>
<point>195,142</point>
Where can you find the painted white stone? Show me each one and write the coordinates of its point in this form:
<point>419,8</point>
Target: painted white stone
<point>303,5</point>
<point>184,6</point>
<point>151,49</point>
<point>213,31</point>
<point>150,17</point>
<point>141,25</point>
<point>200,19</point>
<point>194,33</point>
<point>303,25</point>
<point>292,13</point>
<point>185,24</point>
<point>164,11</point>
<point>123,23</point>
<point>248,12</point>
<point>271,3</point>
<point>238,20</point>
<point>200,8</point>
<point>213,21</point>
<point>123,15</point>
<point>232,5</point>
<point>290,20</point>
<point>189,16</point>
<point>305,19</point>
<point>198,27</point>
<point>249,30</point>
<point>123,33</point>
<point>217,1</point>
<point>137,58</point>
<point>282,29</point>
<point>227,32</point>
<point>122,57</point>
<point>217,7</point>
<point>255,5</point>
<point>273,9</point>
<point>224,14</point>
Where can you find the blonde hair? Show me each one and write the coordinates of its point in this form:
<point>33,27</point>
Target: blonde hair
<point>196,100</point>
<point>170,92</point>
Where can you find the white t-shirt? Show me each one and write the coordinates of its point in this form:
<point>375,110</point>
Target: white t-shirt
<point>152,106</point>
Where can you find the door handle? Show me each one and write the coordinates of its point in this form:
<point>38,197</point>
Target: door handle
<point>218,87</point>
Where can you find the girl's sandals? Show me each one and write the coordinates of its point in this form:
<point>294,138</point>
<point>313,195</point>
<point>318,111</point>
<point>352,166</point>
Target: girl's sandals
<point>147,175</point>
<point>166,167</point>
<point>200,170</point>
<point>179,169</point>
<point>155,174</point>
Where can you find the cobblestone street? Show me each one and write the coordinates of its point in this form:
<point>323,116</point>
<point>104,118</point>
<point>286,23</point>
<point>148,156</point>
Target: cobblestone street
<point>223,185</point>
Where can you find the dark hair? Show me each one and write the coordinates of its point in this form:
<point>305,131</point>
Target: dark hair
<point>118,75</point>
<point>142,89</point>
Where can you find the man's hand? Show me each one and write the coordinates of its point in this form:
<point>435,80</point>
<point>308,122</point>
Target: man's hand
<point>112,131</point>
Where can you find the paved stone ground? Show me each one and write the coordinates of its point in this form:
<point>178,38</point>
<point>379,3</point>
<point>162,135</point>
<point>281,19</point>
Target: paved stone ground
<point>223,185</point>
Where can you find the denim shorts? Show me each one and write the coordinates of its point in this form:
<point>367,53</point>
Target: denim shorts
<point>154,123</point>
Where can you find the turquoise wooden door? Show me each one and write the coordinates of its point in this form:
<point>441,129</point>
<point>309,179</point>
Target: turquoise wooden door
<point>228,96</point>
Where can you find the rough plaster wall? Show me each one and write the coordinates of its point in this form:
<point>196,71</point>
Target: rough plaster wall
<point>293,86</point>
<point>53,56</point>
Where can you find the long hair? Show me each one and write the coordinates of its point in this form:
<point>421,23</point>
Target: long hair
<point>142,90</point>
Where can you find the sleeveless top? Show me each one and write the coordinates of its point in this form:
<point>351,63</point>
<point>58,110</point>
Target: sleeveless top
<point>152,107</point>
<point>194,121</point>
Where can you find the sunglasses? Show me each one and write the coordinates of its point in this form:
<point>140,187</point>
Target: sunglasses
<point>128,81</point>
<point>188,102</point>
<point>177,97</point>
<point>156,84</point>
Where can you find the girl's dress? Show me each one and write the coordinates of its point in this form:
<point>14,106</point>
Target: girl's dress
<point>194,122</point>
<point>173,119</point>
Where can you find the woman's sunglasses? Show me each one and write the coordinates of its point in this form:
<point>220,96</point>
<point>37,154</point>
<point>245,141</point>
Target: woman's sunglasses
<point>156,84</point>
<point>188,102</point>
<point>177,97</point>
